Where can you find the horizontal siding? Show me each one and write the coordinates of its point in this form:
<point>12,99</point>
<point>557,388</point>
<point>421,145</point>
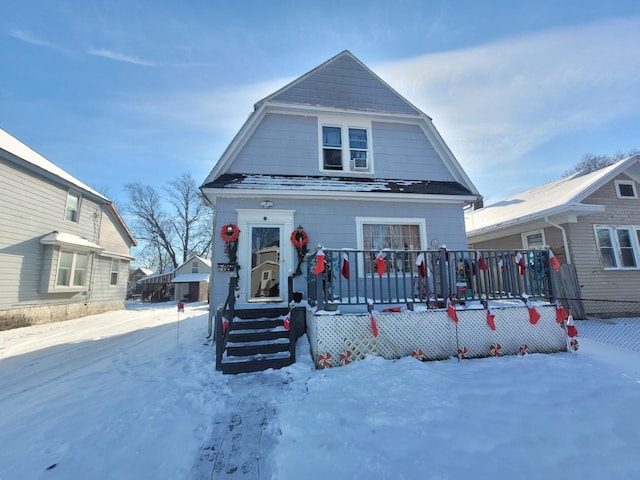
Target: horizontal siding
<point>33,207</point>
<point>332,223</point>
<point>112,238</point>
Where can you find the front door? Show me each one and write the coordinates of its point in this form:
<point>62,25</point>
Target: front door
<point>266,263</point>
<point>264,254</point>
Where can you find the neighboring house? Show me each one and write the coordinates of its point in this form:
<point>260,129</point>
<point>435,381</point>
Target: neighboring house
<point>191,280</point>
<point>343,155</point>
<point>591,222</point>
<point>64,249</point>
<point>157,286</point>
<point>135,287</point>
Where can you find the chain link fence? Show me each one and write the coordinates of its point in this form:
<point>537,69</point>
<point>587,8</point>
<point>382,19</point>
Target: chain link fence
<point>608,321</point>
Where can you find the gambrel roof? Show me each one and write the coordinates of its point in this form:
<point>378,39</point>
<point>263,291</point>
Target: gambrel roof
<point>342,85</point>
<point>560,197</point>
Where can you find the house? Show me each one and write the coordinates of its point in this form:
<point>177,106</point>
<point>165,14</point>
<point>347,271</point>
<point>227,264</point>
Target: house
<point>134,290</point>
<point>591,222</point>
<point>191,280</point>
<point>343,157</point>
<point>64,248</point>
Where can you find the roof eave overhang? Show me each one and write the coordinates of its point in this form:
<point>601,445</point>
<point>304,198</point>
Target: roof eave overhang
<point>213,194</point>
<point>515,226</point>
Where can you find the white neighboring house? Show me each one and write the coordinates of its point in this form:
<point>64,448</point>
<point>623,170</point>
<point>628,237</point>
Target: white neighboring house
<point>590,221</point>
<point>191,280</point>
<point>64,248</point>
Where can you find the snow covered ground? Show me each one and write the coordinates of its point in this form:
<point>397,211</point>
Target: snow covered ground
<point>134,395</point>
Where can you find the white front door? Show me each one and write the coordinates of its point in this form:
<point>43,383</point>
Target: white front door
<point>265,256</point>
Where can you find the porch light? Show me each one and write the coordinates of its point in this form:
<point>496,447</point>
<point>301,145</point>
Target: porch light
<point>229,230</point>
<point>266,204</point>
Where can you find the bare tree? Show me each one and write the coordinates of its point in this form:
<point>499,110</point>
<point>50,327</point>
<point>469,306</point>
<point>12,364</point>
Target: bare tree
<point>152,225</point>
<point>167,236</point>
<point>590,162</point>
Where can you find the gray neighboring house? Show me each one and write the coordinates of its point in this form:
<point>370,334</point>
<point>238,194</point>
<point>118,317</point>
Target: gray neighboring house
<point>64,249</point>
<point>591,222</point>
<point>341,154</point>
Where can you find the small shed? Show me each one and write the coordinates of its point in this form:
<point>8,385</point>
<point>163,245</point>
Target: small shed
<point>191,280</point>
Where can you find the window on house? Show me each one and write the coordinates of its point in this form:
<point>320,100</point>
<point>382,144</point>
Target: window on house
<point>345,148</point>
<point>392,234</point>
<point>72,269</point>
<point>73,207</point>
<point>533,239</point>
<point>626,189</point>
<point>115,269</point>
<point>194,267</point>
<point>618,246</point>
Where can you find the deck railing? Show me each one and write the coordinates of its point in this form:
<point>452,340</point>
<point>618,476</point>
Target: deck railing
<point>364,277</point>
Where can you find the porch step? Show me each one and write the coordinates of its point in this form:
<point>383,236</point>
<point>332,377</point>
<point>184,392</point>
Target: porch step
<point>257,341</point>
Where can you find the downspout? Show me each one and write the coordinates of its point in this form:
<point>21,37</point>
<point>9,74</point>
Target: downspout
<point>565,242</point>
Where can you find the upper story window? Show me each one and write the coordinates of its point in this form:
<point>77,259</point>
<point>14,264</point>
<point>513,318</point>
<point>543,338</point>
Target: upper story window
<point>626,189</point>
<point>194,266</point>
<point>73,207</point>
<point>345,148</point>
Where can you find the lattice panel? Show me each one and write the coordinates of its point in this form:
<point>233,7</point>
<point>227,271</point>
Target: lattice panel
<point>432,335</point>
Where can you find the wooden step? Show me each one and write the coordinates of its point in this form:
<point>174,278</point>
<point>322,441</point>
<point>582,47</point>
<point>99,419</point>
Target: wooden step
<point>255,363</point>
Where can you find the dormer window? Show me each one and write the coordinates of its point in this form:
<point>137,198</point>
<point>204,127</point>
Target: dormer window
<point>626,189</point>
<point>345,148</point>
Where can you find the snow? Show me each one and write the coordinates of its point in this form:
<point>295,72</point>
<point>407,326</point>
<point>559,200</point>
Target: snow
<point>134,394</point>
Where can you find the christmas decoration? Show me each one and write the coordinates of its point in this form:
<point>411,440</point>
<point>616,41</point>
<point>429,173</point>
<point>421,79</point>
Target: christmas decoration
<point>534,315</point>
<point>495,349</point>
<point>418,354</point>
<point>574,344</point>
<point>324,360</point>
<point>572,331</point>
<point>491,319</point>
<point>523,349</point>
<point>230,234</point>
<point>422,268</point>
<point>319,262</point>
<point>462,353</point>
<point>380,264</point>
<point>561,313</point>
<point>501,265</point>
<point>374,325</point>
<point>554,261</point>
<point>286,323</point>
<point>482,265</point>
<point>346,358</point>
<point>299,239</point>
<point>225,325</point>
<point>451,311</point>
<point>520,263</point>
<point>344,269</point>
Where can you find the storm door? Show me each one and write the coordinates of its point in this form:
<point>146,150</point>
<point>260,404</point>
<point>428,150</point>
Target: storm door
<point>266,264</point>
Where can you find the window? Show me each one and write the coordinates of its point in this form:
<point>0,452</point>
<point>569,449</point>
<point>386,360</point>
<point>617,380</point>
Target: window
<point>72,269</point>
<point>533,239</point>
<point>618,246</point>
<point>194,266</point>
<point>626,189</point>
<point>115,269</point>
<point>394,234</point>
<point>345,148</point>
<point>73,207</point>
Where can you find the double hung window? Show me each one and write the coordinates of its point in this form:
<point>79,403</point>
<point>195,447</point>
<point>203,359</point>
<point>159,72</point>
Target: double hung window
<point>345,148</point>
<point>73,207</point>
<point>72,269</point>
<point>619,247</point>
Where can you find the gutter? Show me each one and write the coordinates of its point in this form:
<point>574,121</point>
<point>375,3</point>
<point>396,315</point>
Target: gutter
<point>565,242</point>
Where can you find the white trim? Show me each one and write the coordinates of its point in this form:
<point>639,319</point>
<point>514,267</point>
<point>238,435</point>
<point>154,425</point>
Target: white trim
<point>360,221</point>
<point>615,245</point>
<point>525,240</point>
<point>626,182</point>
<point>344,123</point>
<point>248,218</point>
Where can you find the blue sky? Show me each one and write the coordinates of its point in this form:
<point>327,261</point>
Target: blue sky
<point>123,91</point>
